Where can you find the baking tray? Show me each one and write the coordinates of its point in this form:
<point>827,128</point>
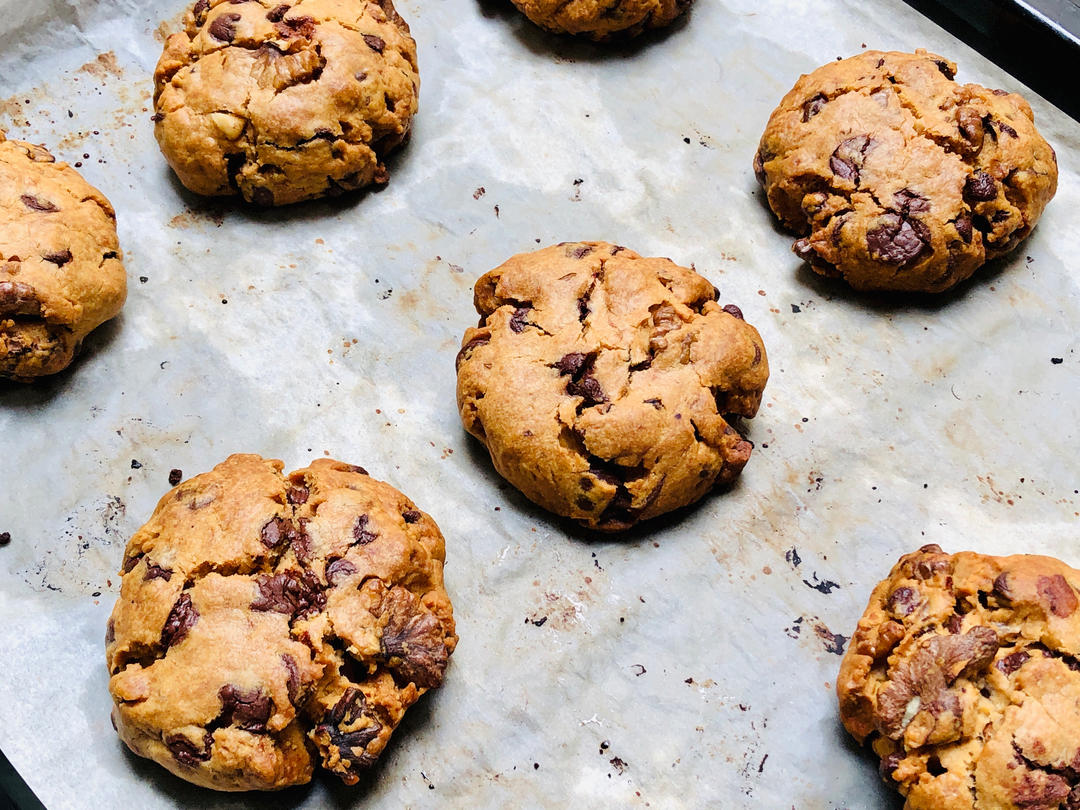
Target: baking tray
<point>1038,41</point>
<point>688,664</point>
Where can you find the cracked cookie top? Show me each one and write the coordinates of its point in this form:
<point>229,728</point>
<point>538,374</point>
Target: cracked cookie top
<point>898,178</point>
<point>604,384</point>
<point>285,101</point>
<point>964,675</point>
<point>265,621</point>
<point>61,269</point>
<point>602,20</point>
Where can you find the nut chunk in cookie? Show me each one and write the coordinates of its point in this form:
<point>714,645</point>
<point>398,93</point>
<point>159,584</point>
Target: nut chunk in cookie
<point>601,21</point>
<point>267,623</point>
<point>895,177</point>
<point>281,102</point>
<point>964,677</point>
<point>61,272</point>
<point>605,385</point>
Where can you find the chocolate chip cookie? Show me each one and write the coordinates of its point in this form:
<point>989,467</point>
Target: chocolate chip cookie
<point>897,178</point>
<point>267,621</point>
<point>281,102</point>
<point>604,384</point>
<point>964,675</point>
<point>602,20</point>
<point>61,272</point>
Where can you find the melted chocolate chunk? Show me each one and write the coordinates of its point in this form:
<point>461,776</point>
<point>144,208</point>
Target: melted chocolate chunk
<point>223,28</point>
<point>181,619</point>
<point>248,709</point>
<point>980,187</point>
<point>812,106</point>
<point>186,753</point>
<point>294,593</point>
<point>157,572</point>
<point>897,240</point>
<point>362,535</point>
<point>37,204</point>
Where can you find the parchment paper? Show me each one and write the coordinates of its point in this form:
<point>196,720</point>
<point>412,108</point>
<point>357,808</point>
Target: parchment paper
<point>691,664</point>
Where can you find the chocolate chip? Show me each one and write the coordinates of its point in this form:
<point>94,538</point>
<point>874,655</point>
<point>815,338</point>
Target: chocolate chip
<point>294,593</point>
<point>897,240</point>
<point>356,468</point>
<point>946,69</point>
<point>261,195</point>
<point>909,202</point>
<point>731,309</point>
<point>339,569</point>
<point>5,538</point>
<point>276,531</point>
<point>181,619</point>
<point>572,363</point>
<point>345,714</point>
<point>37,204</point>
<point>1058,594</point>
<point>902,602</point>
<point>175,476</point>
<point>812,106</point>
<point>889,764</point>
<point>804,250</point>
<point>110,631</point>
<point>223,28</point>
<point>1001,586</point>
<point>1006,128</point>
<point>517,320</point>
<point>1012,662</point>
<point>584,504</point>
<point>154,571</point>
<point>466,350</point>
<point>200,9</point>
<point>412,516</point>
<point>362,535</point>
<point>963,227</point>
<point>292,681</point>
<point>248,709</point>
<point>759,168</point>
<point>980,187</point>
<point>297,494</point>
<point>656,403</point>
<point>185,752</point>
<point>579,252</point>
<point>375,43</point>
<point>955,623</point>
<point>59,258</point>
<point>277,13</point>
<point>589,389</point>
<point>849,156</point>
<point>296,27</point>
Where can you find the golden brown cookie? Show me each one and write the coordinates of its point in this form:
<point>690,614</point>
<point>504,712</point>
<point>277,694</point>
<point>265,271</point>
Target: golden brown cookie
<point>602,20</point>
<point>603,383</point>
<point>265,621</point>
<point>964,675</point>
<point>897,178</point>
<point>61,269</point>
<point>281,102</point>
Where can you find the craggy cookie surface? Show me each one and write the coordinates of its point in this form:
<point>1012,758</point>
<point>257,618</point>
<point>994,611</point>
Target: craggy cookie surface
<point>602,383</point>
<point>964,673</point>
<point>897,177</point>
<point>285,101</point>
<point>61,272</point>
<point>264,621</point>
<point>601,20</point>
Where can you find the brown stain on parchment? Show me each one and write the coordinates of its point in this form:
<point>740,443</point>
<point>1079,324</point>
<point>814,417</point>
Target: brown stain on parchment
<point>104,66</point>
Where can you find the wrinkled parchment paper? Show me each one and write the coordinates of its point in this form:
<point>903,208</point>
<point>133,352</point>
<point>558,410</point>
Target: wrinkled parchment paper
<point>691,664</point>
